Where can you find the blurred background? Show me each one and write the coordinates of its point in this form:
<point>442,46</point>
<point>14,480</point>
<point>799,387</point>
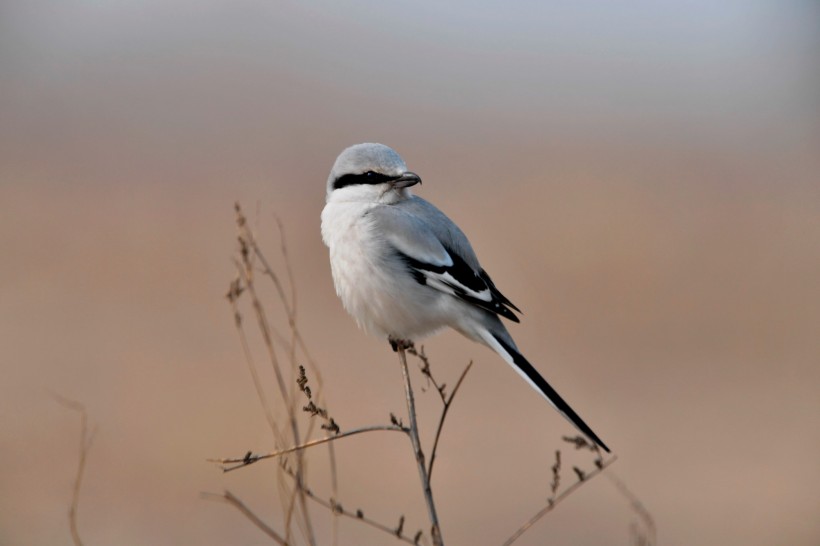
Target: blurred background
<point>641,178</point>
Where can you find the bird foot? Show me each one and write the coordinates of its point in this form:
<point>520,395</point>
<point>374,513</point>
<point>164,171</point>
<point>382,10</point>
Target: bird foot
<point>397,344</point>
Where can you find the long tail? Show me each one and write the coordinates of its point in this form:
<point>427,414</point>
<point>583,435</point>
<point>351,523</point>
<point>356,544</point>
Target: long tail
<point>506,349</point>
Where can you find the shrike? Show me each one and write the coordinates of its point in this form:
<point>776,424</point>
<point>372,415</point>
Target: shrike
<point>404,270</point>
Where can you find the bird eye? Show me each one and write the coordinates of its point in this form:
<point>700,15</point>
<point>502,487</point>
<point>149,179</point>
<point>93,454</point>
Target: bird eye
<point>370,174</point>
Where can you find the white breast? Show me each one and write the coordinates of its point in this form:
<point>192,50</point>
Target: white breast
<point>374,286</point>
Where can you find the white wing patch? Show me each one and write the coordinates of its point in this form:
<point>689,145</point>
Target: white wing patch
<point>447,283</point>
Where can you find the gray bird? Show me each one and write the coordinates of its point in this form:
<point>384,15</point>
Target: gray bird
<point>404,270</point>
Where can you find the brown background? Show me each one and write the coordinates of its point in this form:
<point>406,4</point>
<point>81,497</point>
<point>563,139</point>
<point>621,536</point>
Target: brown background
<point>642,182</point>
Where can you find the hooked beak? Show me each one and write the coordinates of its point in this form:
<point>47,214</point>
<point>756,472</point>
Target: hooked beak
<point>406,180</point>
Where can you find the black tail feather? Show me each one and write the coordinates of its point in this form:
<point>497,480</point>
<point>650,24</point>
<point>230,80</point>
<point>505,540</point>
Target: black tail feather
<point>532,374</point>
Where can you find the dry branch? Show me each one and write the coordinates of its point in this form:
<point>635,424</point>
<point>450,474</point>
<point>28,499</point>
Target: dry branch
<point>249,458</point>
<point>435,528</point>
<point>554,501</point>
<point>648,536</point>
<point>231,499</point>
<point>86,439</point>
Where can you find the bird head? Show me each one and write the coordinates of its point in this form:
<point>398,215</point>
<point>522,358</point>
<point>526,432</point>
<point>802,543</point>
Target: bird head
<point>369,172</point>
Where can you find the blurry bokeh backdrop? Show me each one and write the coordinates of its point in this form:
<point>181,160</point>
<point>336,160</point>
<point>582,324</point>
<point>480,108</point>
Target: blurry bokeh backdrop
<point>641,178</point>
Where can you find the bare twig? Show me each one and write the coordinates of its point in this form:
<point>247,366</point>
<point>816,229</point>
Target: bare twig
<point>291,346</point>
<point>446,401</point>
<point>235,291</point>
<point>447,404</point>
<point>231,499</point>
<point>250,458</point>
<point>249,250</point>
<point>86,439</point>
<point>290,307</point>
<point>334,487</point>
<point>337,508</point>
<point>435,530</point>
<point>427,371</point>
<point>553,502</point>
<point>638,507</point>
<point>359,516</point>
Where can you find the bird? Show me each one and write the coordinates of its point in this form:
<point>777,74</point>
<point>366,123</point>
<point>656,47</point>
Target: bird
<point>403,270</point>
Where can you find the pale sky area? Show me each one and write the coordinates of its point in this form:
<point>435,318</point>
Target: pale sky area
<point>641,178</point>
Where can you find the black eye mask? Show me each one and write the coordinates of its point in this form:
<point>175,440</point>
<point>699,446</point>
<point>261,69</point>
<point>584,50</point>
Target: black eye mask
<point>369,177</point>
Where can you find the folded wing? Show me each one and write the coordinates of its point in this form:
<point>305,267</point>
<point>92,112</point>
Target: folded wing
<point>443,261</point>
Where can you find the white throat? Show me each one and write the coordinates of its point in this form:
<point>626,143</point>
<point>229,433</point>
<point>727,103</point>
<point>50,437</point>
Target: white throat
<point>378,194</point>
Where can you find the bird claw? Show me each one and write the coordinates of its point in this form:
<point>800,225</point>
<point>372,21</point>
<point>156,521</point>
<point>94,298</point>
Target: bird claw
<point>402,344</point>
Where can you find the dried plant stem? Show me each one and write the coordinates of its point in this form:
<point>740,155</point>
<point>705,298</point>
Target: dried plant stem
<point>435,530</point>
<point>242,462</point>
<point>339,510</point>
<point>231,499</point>
<point>638,507</point>
<point>243,340</point>
<point>248,249</point>
<point>447,403</point>
<point>252,255</point>
<point>86,439</point>
<point>554,501</point>
<point>359,516</point>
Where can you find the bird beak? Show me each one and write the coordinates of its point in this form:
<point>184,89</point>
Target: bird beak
<point>406,180</point>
